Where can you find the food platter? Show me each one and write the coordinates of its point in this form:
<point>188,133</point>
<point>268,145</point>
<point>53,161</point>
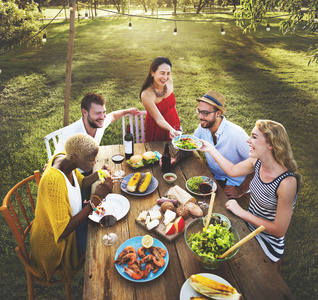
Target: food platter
<point>175,142</point>
<point>152,186</point>
<point>187,291</point>
<point>118,203</point>
<point>214,186</point>
<point>144,162</point>
<point>136,243</point>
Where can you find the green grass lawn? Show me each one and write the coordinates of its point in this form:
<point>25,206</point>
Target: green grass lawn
<point>262,75</point>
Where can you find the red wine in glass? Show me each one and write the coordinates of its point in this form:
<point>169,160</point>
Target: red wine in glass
<point>205,188</point>
<point>118,159</point>
<point>108,221</point>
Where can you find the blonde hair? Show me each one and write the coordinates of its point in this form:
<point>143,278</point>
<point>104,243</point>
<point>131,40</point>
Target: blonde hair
<point>80,144</point>
<point>276,135</point>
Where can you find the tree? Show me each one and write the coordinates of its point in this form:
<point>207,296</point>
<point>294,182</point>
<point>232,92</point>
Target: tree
<point>18,26</point>
<point>302,15</point>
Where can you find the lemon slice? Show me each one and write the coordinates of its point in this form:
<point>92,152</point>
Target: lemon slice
<point>147,241</point>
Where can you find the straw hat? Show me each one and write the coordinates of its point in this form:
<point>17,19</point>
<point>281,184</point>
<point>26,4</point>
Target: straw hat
<point>214,98</point>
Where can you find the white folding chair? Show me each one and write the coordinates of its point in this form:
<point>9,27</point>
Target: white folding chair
<point>52,139</point>
<point>137,129</point>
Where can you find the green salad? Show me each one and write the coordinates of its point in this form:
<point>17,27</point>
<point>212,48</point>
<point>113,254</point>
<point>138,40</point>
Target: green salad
<point>193,184</point>
<point>212,242</point>
<point>187,144</point>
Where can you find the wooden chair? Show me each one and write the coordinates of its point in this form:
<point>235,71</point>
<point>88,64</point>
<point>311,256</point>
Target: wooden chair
<point>137,129</point>
<point>18,208</point>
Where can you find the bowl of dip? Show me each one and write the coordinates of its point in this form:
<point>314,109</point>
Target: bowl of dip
<point>170,177</point>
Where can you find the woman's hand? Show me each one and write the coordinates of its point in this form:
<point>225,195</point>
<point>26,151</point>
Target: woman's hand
<point>234,207</point>
<point>206,146</point>
<point>107,167</point>
<point>105,188</point>
<point>173,133</point>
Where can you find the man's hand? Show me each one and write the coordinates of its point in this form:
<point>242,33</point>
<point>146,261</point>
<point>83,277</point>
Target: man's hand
<point>173,161</point>
<point>233,191</point>
<point>132,111</point>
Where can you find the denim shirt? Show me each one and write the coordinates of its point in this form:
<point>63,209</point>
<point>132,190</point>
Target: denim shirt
<point>231,143</point>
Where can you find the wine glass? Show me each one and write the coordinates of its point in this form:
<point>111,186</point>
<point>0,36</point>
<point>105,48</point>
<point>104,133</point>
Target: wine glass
<point>205,188</point>
<point>118,159</point>
<point>107,221</point>
<point>179,129</point>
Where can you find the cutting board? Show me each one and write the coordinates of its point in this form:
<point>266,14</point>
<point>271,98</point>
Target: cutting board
<point>161,228</point>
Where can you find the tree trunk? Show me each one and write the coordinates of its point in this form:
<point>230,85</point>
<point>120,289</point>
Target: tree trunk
<point>69,64</point>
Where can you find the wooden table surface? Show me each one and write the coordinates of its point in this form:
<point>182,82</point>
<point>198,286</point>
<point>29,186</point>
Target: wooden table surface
<point>250,271</point>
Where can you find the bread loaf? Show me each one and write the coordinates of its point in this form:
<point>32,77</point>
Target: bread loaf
<point>176,192</point>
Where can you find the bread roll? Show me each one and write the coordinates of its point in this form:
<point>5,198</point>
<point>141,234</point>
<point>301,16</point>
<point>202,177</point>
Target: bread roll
<point>149,155</point>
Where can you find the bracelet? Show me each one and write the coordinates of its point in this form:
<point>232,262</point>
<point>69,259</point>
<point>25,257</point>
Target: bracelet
<point>92,205</point>
<point>97,198</point>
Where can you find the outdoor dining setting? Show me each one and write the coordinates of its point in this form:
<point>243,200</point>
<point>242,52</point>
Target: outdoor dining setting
<point>158,149</point>
<point>249,266</point>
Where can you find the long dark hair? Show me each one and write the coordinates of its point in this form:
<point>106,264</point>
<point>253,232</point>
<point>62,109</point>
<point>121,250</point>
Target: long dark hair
<point>154,67</point>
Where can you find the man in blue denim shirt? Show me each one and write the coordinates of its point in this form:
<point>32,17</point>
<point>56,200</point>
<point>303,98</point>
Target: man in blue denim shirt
<point>227,137</point>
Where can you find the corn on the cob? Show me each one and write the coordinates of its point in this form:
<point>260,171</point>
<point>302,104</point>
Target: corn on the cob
<point>133,182</point>
<point>213,289</point>
<point>144,182</point>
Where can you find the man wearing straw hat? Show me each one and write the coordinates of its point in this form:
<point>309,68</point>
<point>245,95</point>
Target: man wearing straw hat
<point>227,137</point>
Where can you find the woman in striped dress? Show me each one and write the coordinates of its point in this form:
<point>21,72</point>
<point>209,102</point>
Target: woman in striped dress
<point>274,187</point>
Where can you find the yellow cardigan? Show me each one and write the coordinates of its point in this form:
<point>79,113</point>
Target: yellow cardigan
<point>52,214</point>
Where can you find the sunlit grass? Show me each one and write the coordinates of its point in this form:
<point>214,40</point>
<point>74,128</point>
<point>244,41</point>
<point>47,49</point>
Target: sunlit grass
<point>262,75</point>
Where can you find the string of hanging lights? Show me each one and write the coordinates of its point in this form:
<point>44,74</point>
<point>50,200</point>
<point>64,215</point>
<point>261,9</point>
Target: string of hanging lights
<point>175,31</point>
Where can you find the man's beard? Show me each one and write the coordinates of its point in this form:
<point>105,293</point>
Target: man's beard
<point>91,122</point>
<point>208,124</point>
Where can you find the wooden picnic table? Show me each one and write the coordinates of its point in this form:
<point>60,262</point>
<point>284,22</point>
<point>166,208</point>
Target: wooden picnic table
<point>250,271</point>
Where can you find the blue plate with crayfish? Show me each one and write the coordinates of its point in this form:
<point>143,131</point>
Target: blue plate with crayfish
<point>136,243</point>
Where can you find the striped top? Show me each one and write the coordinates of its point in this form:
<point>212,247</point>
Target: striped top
<point>263,204</point>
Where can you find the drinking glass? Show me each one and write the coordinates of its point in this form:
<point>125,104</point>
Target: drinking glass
<point>118,159</point>
<point>107,221</point>
<point>179,129</point>
<point>205,188</point>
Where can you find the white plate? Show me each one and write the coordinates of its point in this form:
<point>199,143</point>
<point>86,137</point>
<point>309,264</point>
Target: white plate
<point>187,291</point>
<point>118,203</point>
<point>176,139</point>
<point>214,186</point>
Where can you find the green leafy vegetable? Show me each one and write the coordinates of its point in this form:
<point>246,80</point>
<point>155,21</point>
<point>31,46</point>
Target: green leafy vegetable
<point>187,143</point>
<point>212,242</point>
<point>193,184</point>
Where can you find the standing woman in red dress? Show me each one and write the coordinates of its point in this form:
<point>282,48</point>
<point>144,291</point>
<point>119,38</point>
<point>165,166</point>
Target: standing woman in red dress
<point>158,99</point>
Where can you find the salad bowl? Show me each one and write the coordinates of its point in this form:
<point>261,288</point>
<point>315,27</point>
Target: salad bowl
<point>204,256</point>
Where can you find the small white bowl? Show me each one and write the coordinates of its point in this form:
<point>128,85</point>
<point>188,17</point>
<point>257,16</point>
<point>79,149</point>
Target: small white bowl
<point>170,177</point>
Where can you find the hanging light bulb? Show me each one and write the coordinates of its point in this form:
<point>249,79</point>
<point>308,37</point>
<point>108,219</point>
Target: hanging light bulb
<point>86,15</point>
<point>130,24</point>
<point>71,7</point>
<point>222,30</point>
<point>175,31</point>
<point>44,38</point>
<point>268,27</point>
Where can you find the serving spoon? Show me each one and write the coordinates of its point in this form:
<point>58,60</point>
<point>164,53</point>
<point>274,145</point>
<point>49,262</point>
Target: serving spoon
<point>241,242</point>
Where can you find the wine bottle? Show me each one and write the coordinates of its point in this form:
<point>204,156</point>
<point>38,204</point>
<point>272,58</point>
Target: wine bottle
<point>166,160</point>
<point>128,143</point>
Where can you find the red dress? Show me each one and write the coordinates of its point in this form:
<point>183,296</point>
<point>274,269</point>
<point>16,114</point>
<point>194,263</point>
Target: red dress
<point>167,108</point>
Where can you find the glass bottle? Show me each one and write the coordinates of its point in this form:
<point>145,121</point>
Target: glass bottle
<point>128,143</point>
<point>166,160</point>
